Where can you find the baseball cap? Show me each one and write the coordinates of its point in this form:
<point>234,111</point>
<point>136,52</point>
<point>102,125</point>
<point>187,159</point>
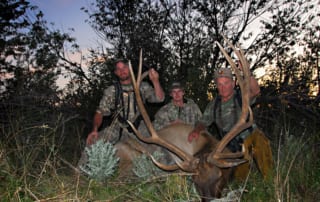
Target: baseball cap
<point>176,85</point>
<point>223,72</point>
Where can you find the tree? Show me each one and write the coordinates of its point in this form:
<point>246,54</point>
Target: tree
<point>312,52</point>
<point>30,53</point>
<point>179,37</point>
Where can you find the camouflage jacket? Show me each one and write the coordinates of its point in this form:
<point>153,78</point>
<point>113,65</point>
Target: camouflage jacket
<point>189,113</point>
<point>224,114</point>
<point>126,109</point>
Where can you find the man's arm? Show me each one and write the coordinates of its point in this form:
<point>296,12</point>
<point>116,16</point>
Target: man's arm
<point>254,87</point>
<point>203,123</point>
<point>154,77</point>
<point>194,134</point>
<point>93,136</point>
<point>97,120</point>
<point>103,109</point>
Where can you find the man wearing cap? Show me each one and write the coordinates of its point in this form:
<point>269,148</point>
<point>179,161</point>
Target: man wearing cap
<point>224,111</point>
<point>178,110</point>
<point>119,100</point>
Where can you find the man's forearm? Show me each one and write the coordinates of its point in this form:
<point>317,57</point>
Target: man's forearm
<point>97,120</point>
<point>158,90</point>
<point>199,127</point>
<point>254,87</point>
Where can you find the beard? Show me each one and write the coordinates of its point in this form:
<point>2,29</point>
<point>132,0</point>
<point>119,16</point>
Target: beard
<point>124,78</point>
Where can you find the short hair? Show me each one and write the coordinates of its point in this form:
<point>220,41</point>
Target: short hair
<point>121,60</point>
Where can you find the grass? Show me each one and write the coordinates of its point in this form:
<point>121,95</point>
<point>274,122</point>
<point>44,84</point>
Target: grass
<point>36,165</point>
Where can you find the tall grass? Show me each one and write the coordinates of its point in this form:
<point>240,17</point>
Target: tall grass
<point>37,162</point>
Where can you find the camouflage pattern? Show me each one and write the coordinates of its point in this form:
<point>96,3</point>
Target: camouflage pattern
<point>189,113</point>
<point>227,114</point>
<point>223,72</point>
<point>107,107</point>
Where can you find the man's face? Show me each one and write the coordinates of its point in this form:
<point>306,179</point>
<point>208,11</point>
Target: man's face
<point>177,94</point>
<point>122,71</point>
<point>225,87</point>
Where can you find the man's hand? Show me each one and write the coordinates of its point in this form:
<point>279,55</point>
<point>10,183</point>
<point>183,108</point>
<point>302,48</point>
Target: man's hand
<point>193,135</point>
<point>92,138</point>
<point>153,75</point>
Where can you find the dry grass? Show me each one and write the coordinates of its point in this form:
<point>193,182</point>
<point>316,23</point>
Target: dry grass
<point>37,164</point>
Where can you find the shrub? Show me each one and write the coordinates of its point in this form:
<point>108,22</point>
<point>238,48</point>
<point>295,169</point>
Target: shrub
<point>102,161</point>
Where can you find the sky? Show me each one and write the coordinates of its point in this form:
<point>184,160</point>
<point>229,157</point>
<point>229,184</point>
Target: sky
<point>66,14</point>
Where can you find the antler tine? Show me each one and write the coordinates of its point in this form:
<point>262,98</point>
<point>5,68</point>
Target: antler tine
<point>136,88</point>
<point>140,68</point>
<point>241,56</point>
<point>189,162</point>
<point>244,88</point>
<point>244,81</point>
<point>185,165</point>
<point>230,61</point>
<point>165,167</point>
<point>133,78</point>
<point>173,167</point>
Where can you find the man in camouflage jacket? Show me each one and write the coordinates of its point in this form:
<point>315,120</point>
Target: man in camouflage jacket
<point>178,110</point>
<point>121,103</point>
<point>224,111</point>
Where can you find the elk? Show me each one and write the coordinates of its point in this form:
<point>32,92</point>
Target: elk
<point>209,159</point>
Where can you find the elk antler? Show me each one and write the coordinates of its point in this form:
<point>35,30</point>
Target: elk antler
<point>217,157</point>
<point>189,162</point>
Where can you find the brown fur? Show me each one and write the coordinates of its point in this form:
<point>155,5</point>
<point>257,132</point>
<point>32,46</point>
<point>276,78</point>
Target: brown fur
<point>209,179</point>
<point>127,151</point>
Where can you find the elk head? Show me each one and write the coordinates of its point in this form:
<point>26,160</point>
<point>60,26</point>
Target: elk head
<point>211,167</point>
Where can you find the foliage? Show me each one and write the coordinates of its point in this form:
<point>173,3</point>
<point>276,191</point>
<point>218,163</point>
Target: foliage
<point>102,161</point>
<point>143,167</point>
<point>36,168</point>
<point>33,141</point>
<point>30,53</point>
<point>177,37</point>
<point>40,130</point>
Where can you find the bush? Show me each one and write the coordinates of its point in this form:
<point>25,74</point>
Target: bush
<point>102,161</point>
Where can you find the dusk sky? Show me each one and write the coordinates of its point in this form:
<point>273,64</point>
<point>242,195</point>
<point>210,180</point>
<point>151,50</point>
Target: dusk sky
<point>66,14</point>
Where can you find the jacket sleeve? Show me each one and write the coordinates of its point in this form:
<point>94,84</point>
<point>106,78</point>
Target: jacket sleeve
<point>207,116</point>
<point>148,93</point>
<point>107,102</point>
